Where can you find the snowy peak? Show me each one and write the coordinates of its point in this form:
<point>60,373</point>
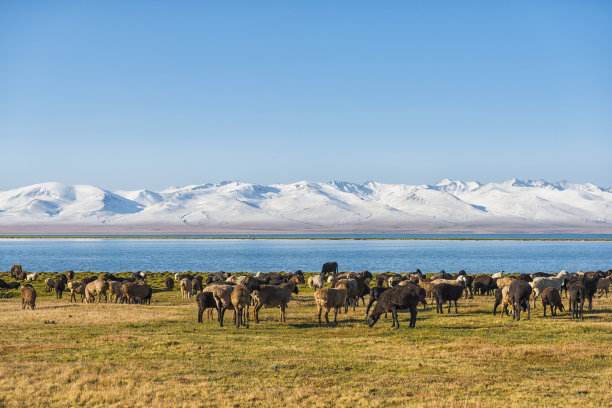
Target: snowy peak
<point>304,205</point>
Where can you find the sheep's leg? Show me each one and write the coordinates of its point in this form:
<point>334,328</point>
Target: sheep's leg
<point>535,296</point>
<point>256,312</point>
<point>247,316</point>
<point>319,311</point>
<point>450,303</point>
<point>395,319</point>
<point>590,302</point>
<point>528,310</point>
<point>370,301</point>
<point>282,313</point>
<point>221,314</point>
<point>336,316</point>
<point>456,307</point>
<point>544,307</point>
<point>327,316</point>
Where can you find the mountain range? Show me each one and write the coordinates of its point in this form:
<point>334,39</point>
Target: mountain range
<point>450,206</point>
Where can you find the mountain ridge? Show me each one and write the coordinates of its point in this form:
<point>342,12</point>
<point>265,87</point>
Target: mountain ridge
<point>234,206</point>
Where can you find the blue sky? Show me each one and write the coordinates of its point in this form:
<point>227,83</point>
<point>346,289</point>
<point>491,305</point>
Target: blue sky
<point>152,94</point>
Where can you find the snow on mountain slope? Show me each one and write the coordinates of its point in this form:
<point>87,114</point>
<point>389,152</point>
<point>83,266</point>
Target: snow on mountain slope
<point>304,205</point>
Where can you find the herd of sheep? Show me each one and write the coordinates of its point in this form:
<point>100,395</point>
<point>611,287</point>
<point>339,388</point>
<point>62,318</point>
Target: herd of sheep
<point>391,292</point>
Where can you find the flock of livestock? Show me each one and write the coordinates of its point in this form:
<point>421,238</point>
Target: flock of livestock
<point>392,292</point>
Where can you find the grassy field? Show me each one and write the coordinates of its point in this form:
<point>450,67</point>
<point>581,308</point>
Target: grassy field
<point>107,355</point>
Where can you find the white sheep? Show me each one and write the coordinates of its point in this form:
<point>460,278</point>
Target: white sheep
<point>186,288</point>
<point>497,275</point>
<point>31,277</point>
<point>315,282</point>
<point>539,284</point>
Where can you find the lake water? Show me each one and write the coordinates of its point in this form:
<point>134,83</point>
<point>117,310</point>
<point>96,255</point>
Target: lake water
<point>234,255</point>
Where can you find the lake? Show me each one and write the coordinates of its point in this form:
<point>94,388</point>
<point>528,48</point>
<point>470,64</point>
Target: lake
<point>236,255</point>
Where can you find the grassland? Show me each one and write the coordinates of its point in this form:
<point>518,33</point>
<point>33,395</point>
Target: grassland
<point>107,355</point>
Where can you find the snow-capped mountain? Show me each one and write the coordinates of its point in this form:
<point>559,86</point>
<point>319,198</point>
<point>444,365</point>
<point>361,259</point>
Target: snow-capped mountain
<point>448,206</point>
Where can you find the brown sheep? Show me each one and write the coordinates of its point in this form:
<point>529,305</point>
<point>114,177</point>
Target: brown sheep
<point>169,283</point>
<point>552,297</point>
<point>95,288</point>
<point>16,271</point>
<point>223,297</point>
<point>28,296</point>
<point>136,290</point>
<point>329,298</point>
<point>604,285</point>
<point>60,287</point>
<point>49,284</point>
<point>274,296</point>
<point>76,287</point>
<point>241,299</point>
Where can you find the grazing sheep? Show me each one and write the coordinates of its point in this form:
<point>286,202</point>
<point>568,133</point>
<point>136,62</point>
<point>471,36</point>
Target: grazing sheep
<point>16,270</point>
<point>502,297</point>
<point>49,284</point>
<point>28,296</point>
<point>241,300</point>
<point>541,283</point>
<point>169,283</point>
<point>31,277</point>
<point>186,288</point>
<point>76,287</point>
<point>274,296</point>
<point>497,275</point>
<point>97,288</point>
<point>484,284</point>
<point>552,297</point>
<point>133,290</point>
<point>60,287</point>
<point>329,298</point>
<point>205,300</point>
<point>70,274</point>
<point>519,292</point>
<point>352,291</point>
<point>394,299</point>
<point>375,293</point>
<point>604,285</point>
<point>115,290</point>
<point>577,297</point>
<point>445,292</point>
<point>223,298</point>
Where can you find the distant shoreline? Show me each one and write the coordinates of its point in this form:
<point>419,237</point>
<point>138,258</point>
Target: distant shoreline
<point>331,238</point>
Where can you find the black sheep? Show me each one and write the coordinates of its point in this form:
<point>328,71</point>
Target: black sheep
<point>375,293</point>
<point>526,277</point>
<point>444,292</point>
<point>169,283</point>
<point>484,284</point>
<point>577,295</point>
<point>394,299</point>
<point>60,287</point>
<point>469,281</point>
<point>443,275</point>
<point>205,300</point>
<point>519,293</point>
<point>4,285</point>
<point>552,297</point>
<point>590,285</point>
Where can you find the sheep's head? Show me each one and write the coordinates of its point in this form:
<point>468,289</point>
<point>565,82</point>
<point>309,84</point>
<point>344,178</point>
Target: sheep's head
<point>373,319</point>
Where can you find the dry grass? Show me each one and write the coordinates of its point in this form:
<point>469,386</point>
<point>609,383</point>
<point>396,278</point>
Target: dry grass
<point>129,355</point>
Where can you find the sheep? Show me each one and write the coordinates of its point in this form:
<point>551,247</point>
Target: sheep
<point>16,270</point>
<point>502,297</point>
<point>552,297</point>
<point>503,282</point>
<point>469,280</point>
<point>541,283</point>
<point>497,275</point>
<point>28,296</point>
<point>178,277</point>
<point>274,296</point>
<point>95,288</point>
<point>70,274</point>
<point>223,298</point>
<point>31,277</point>
<point>196,285</point>
<point>115,290</point>
<point>591,280</point>
<point>428,286</point>
<point>484,284</point>
<point>329,298</point>
<point>76,287</point>
<point>241,299</point>
<point>60,287</point>
<point>133,290</point>
<point>49,284</point>
<point>399,297</point>
<point>393,281</point>
<point>4,285</point>
<point>443,275</point>
<point>375,293</point>
<point>352,291</point>
<point>577,297</point>
<point>186,288</point>
<point>316,281</point>
<point>519,292</point>
<point>169,282</point>
<point>205,300</point>
<point>604,285</point>
<point>445,292</point>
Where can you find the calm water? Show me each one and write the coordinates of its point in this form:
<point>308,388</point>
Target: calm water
<point>118,255</point>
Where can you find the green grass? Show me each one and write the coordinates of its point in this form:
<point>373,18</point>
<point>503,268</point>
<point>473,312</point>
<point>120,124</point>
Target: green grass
<point>64,354</point>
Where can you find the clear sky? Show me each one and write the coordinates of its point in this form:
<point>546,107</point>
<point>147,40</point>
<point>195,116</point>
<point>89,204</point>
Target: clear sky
<point>128,94</point>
